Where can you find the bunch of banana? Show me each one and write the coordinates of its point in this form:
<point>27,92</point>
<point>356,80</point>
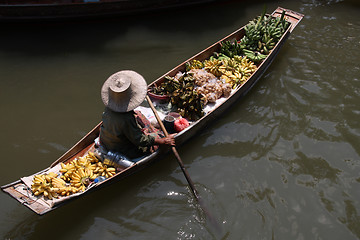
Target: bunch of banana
<point>39,185</point>
<point>104,170</point>
<point>194,64</point>
<point>233,78</point>
<point>81,178</point>
<point>246,67</point>
<point>266,44</point>
<point>58,182</point>
<point>49,176</point>
<point>253,33</point>
<point>99,168</point>
<point>275,28</point>
<point>67,170</point>
<point>261,35</point>
<point>108,172</point>
<point>229,65</point>
<point>81,172</point>
<point>89,161</point>
<point>83,162</point>
<point>50,193</point>
<point>185,98</point>
<point>238,70</point>
<point>67,190</point>
<point>230,48</point>
<point>168,86</point>
<point>235,70</point>
<point>230,69</point>
<point>254,55</point>
<point>213,66</point>
<point>62,188</point>
<point>42,185</point>
<point>91,157</point>
<point>75,176</point>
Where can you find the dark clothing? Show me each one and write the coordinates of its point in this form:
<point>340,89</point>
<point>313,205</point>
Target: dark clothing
<point>120,132</point>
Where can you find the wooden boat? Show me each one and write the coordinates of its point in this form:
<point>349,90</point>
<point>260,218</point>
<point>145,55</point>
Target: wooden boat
<point>21,192</point>
<point>20,10</point>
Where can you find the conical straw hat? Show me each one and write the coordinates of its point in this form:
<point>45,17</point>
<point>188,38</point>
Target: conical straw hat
<point>124,91</point>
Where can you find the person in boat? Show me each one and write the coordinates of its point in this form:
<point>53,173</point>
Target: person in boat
<point>125,130</point>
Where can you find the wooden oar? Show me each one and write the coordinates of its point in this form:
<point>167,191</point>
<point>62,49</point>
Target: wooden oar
<point>178,158</point>
<point>183,169</point>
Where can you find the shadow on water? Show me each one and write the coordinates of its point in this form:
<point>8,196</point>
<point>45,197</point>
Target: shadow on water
<point>55,38</point>
<point>319,169</point>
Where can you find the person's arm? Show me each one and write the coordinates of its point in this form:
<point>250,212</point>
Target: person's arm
<point>169,140</point>
<point>137,137</point>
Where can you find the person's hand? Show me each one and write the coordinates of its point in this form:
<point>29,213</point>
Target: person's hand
<point>169,140</point>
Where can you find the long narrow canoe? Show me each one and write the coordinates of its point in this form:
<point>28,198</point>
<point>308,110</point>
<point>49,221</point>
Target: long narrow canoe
<point>21,10</point>
<point>21,191</point>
